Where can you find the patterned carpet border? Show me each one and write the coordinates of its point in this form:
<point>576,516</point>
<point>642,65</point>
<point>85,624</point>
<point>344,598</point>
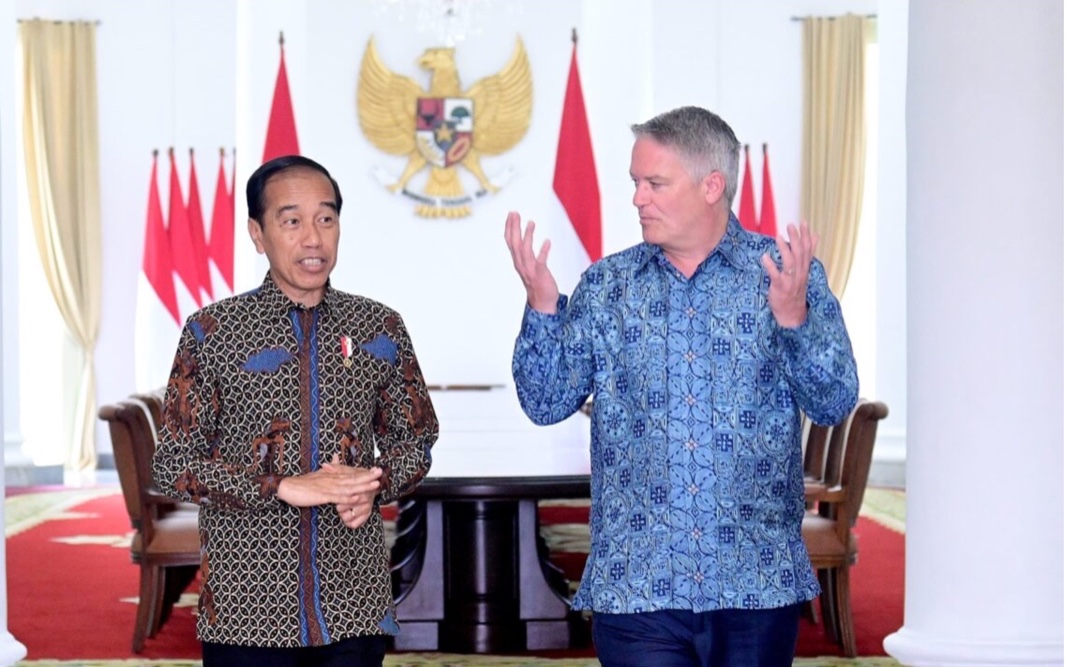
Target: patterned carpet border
<point>24,511</point>
<point>452,660</point>
<point>887,507</point>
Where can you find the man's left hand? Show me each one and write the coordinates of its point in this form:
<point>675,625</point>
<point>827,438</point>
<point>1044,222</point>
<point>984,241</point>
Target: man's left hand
<point>788,285</point>
<point>357,512</point>
<point>356,515</point>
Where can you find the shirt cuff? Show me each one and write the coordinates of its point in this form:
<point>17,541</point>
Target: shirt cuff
<point>535,322</point>
<point>797,340</point>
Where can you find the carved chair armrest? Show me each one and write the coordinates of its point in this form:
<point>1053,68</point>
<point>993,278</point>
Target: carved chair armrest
<point>816,492</point>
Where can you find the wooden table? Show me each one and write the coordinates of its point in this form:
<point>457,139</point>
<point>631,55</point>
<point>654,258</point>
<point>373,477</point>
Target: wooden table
<point>470,572</point>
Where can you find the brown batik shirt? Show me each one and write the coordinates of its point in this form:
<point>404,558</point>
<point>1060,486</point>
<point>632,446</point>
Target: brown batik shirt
<point>261,389</point>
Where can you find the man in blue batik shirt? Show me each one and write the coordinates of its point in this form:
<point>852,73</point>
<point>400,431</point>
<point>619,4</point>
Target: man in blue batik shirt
<point>700,346</point>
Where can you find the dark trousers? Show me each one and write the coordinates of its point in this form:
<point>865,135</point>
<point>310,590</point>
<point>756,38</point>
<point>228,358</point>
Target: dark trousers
<point>354,652</point>
<point>675,638</point>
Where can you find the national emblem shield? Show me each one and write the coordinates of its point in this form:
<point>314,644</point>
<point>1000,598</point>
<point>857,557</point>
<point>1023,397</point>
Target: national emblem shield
<point>444,129</point>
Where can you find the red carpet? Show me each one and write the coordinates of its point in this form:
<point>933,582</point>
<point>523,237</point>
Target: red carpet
<point>64,598</point>
<point>66,579</point>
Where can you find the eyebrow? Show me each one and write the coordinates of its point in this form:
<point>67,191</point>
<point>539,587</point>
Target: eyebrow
<point>330,204</point>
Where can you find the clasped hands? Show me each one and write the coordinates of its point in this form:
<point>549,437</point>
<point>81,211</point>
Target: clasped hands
<point>351,490</point>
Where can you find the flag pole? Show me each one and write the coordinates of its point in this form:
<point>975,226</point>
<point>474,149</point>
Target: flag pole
<point>575,182</point>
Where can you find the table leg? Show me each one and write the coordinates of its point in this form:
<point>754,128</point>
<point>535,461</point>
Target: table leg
<point>480,581</point>
<point>418,575</point>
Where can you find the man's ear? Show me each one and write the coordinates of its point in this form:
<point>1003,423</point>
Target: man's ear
<point>256,232</point>
<point>713,185</point>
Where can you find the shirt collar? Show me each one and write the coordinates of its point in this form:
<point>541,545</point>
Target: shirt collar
<point>734,247</point>
<point>277,301</point>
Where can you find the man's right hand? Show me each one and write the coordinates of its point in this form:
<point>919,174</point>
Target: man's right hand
<point>332,484</point>
<point>542,292</point>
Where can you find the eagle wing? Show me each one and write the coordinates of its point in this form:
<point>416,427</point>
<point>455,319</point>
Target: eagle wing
<point>503,105</point>
<point>386,102</point>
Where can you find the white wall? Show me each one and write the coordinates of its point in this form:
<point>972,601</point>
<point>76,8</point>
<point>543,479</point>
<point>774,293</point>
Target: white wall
<point>201,73</point>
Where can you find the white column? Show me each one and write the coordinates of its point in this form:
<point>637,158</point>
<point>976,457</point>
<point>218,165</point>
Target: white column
<point>11,651</point>
<point>984,557</point>
<point>17,466</point>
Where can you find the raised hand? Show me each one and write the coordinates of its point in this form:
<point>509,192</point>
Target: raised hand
<point>788,285</point>
<point>542,292</point>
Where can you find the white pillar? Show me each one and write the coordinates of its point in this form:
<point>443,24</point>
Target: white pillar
<point>984,557</point>
<point>11,651</point>
<point>17,466</point>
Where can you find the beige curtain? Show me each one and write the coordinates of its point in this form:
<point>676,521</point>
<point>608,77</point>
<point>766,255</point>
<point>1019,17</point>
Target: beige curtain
<point>834,137</point>
<point>63,182</point>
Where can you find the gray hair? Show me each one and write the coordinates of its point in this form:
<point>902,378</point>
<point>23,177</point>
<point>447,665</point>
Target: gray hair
<point>703,140</point>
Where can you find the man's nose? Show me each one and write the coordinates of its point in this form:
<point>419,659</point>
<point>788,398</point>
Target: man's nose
<point>640,196</point>
<point>313,236</point>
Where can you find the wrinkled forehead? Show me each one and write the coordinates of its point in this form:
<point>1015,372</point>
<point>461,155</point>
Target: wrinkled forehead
<point>296,181</point>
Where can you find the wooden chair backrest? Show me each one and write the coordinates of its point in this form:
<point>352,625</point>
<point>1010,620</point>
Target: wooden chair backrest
<point>852,472</point>
<point>117,418</point>
<point>153,400</point>
<point>839,457</point>
<point>133,440</point>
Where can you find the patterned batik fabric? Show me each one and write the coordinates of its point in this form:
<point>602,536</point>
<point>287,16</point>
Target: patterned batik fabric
<point>261,389</point>
<point>697,483</point>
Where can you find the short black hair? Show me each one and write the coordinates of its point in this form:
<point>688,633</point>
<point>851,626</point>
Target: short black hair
<point>257,182</point>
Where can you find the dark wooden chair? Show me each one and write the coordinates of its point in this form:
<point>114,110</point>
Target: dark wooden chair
<point>153,401</point>
<point>166,542</point>
<point>837,466</point>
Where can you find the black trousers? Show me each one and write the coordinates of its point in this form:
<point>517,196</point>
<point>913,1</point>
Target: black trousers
<point>353,652</point>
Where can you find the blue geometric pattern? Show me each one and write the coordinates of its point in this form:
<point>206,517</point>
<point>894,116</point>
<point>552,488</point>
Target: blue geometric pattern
<point>381,347</point>
<point>697,481</point>
<point>267,361</point>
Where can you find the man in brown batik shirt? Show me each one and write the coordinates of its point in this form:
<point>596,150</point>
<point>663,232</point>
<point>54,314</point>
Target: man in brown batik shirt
<point>292,412</point>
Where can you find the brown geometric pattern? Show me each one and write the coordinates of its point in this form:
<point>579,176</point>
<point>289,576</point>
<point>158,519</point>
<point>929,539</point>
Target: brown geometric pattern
<point>261,389</point>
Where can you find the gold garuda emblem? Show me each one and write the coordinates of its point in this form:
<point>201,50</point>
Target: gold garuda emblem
<point>443,127</point>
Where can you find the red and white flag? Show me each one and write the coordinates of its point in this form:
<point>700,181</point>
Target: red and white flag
<point>157,321</point>
<point>182,249</point>
<point>220,247</point>
<point>281,129</point>
<point>196,232</point>
<point>746,213</point>
<point>767,212</point>
<point>575,181</point>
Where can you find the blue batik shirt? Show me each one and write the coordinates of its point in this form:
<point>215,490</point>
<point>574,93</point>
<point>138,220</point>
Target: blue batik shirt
<point>697,483</point>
